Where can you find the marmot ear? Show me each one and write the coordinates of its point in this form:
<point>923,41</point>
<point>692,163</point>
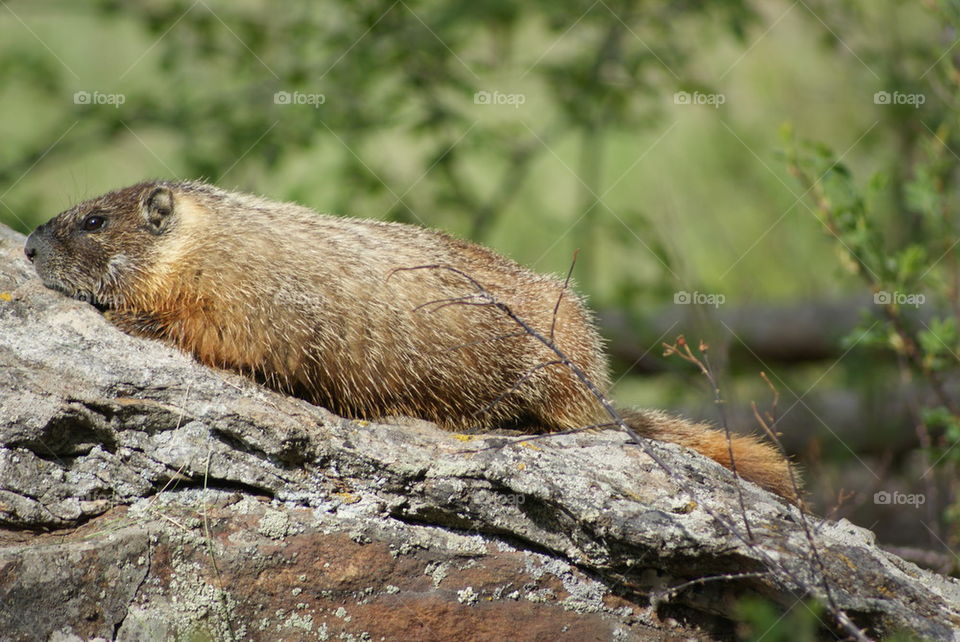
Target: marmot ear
<point>159,209</point>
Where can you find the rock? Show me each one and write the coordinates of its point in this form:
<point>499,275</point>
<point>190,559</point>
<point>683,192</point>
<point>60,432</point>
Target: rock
<point>146,497</point>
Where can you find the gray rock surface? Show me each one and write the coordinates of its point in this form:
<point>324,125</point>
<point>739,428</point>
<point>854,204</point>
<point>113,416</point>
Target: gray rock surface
<point>145,497</point>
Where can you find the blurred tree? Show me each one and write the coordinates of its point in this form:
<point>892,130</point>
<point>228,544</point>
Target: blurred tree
<point>900,234</point>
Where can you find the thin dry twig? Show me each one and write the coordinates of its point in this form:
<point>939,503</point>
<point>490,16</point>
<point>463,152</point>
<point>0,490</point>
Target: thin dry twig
<point>682,349</point>
<point>671,591</point>
<point>772,413</point>
<point>842,498</point>
<point>566,284</point>
<point>801,505</point>
<point>442,303</point>
<point>814,551</point>
<point>519,382</point>
<point>546,435</point>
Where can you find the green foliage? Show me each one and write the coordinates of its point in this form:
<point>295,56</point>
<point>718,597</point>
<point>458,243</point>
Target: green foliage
<point>938,343</point>
<point>398,134</point>
<point>761,619</point>
<point>912,270</point>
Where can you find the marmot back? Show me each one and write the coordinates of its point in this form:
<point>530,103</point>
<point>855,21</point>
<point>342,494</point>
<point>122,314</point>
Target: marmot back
<point>369,319</point>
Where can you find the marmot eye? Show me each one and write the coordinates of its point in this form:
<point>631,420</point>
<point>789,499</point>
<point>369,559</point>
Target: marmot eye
<point>93,223</point>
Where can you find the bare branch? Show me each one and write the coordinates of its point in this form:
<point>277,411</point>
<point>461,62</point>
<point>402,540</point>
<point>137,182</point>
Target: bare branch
<point>566,284</point>
<point>682,349</point>
<point>546,435</point>
<point>516,386</point>
<point>671,591</point>
<point>443,303</point>
<point>814,551</point>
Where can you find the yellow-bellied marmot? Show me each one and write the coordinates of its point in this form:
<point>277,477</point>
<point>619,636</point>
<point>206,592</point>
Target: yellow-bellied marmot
<point>321,307</point>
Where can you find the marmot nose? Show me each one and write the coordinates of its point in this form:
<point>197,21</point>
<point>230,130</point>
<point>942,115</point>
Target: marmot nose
<point>30,248</point>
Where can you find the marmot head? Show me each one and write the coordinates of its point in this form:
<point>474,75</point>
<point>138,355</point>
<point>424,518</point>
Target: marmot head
<point>94,250</point>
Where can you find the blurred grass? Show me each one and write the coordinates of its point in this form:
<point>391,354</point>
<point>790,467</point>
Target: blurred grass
<point>709,186</point>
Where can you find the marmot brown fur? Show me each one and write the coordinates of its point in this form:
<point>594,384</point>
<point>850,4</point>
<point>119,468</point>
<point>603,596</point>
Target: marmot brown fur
<point>321,307</point>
